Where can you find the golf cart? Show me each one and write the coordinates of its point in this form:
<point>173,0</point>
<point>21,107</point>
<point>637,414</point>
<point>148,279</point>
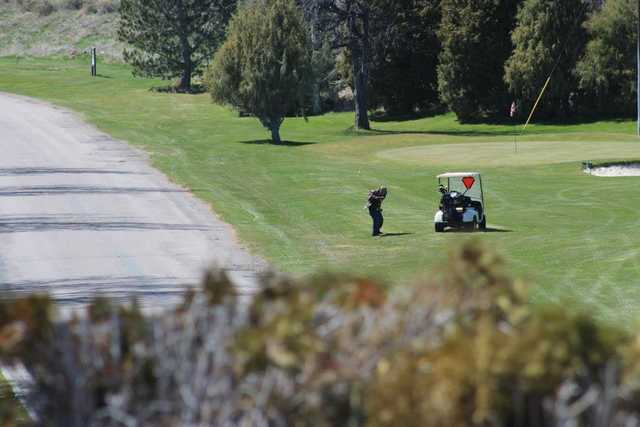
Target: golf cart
<point>462,203</point>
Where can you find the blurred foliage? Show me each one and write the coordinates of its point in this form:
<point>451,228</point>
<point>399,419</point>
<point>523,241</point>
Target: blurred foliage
<point>464,348</point>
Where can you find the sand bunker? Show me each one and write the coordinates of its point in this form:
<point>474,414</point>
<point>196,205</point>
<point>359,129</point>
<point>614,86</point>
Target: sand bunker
<point>613,170</point>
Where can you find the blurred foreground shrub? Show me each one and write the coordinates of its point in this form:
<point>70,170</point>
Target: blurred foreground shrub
<point>462,349</point>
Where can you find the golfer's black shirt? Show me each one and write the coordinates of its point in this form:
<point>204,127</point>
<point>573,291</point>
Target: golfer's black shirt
<point>375,201</point>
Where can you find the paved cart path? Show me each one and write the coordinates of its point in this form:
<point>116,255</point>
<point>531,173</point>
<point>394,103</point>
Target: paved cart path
<point>83,214</point>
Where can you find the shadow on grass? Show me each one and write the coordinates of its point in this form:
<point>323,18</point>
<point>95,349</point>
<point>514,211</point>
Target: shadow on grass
<point>395,235</point>
<point>619,163</point>
<point>452,132</point>
<point>195,89</point>
<point>486,230</point>
<point>496,230</point>
<point>509,127</point>
<point>282,144</point>
<point>103,76</point>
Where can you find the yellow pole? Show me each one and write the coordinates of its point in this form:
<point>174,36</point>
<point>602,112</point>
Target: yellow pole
<point>537,101</point>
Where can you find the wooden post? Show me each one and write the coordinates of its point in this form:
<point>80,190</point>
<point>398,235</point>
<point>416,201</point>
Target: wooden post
<point>94,70</point>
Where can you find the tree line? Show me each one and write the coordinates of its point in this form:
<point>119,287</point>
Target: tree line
<point>275,58</point>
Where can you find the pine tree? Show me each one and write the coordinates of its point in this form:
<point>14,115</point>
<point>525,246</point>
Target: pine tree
<point>405,49</point>
<point>549,38</point>
<point>607,71</point>
<point>264,66</point>
<point>171,38</point>
<point>475,45</point>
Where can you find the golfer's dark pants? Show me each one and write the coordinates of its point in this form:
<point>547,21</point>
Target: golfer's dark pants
<point>378,220</point>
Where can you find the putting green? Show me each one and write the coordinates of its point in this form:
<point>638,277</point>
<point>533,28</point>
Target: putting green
<point>489,154</point>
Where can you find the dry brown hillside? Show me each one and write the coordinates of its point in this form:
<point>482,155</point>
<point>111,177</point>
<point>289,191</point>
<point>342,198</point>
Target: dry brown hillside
<point>58,27</point>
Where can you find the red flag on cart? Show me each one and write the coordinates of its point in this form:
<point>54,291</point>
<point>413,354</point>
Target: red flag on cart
<point>468,182</point>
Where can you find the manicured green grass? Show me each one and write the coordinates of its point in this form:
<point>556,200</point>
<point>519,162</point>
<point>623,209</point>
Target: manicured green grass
<point>301,205</point>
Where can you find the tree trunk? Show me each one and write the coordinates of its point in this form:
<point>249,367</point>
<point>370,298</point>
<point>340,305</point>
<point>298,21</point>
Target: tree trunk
<point>316,105</point>
<point>185,50</point>
<point>360,57</point>
<point>185,78</point>
<point>360,98</point>
<point>275,132</point>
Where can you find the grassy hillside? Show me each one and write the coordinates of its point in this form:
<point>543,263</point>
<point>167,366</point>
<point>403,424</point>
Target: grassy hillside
<point>301,205</point>
<point>59,27</point>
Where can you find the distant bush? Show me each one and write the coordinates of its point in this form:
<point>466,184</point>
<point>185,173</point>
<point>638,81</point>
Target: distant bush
<point>464,349</point>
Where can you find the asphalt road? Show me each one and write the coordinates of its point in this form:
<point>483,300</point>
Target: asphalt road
<point>82,215</point>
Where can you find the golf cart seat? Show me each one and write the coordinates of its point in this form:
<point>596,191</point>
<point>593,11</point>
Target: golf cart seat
<point>476,204</point>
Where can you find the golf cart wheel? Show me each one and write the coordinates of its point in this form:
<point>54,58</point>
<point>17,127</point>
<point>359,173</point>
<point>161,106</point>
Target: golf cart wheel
<point>439,227</point>
<point>483,224</point>
<point>472,226</point>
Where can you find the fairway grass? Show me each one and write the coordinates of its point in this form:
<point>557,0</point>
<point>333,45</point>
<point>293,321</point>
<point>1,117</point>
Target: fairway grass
<point>301,205</point>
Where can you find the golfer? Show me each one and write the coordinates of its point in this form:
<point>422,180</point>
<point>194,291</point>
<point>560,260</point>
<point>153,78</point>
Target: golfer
<point>374,204</point>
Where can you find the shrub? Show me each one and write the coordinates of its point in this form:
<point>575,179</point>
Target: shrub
<point>264,66</point>
<point>462,349</point>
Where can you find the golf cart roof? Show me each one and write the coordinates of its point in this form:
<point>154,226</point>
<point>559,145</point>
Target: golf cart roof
<point>458,174</point>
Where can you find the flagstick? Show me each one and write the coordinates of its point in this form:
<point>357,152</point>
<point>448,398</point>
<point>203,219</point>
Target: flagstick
<point>513,115</point>
<point>515,136</point>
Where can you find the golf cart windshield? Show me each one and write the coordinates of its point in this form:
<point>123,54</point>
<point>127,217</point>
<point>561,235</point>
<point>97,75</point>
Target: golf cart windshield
<point>468,184</point>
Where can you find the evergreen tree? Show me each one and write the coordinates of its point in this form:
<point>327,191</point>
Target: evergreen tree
<point>549,37</point>
<point>405,49</point>
<point>475,45</point>
<point>607,71</point>
<point>264,66</point>
<point>171,38</point>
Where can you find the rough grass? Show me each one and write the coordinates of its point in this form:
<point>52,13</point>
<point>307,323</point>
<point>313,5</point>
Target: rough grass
<point>301,205</point>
